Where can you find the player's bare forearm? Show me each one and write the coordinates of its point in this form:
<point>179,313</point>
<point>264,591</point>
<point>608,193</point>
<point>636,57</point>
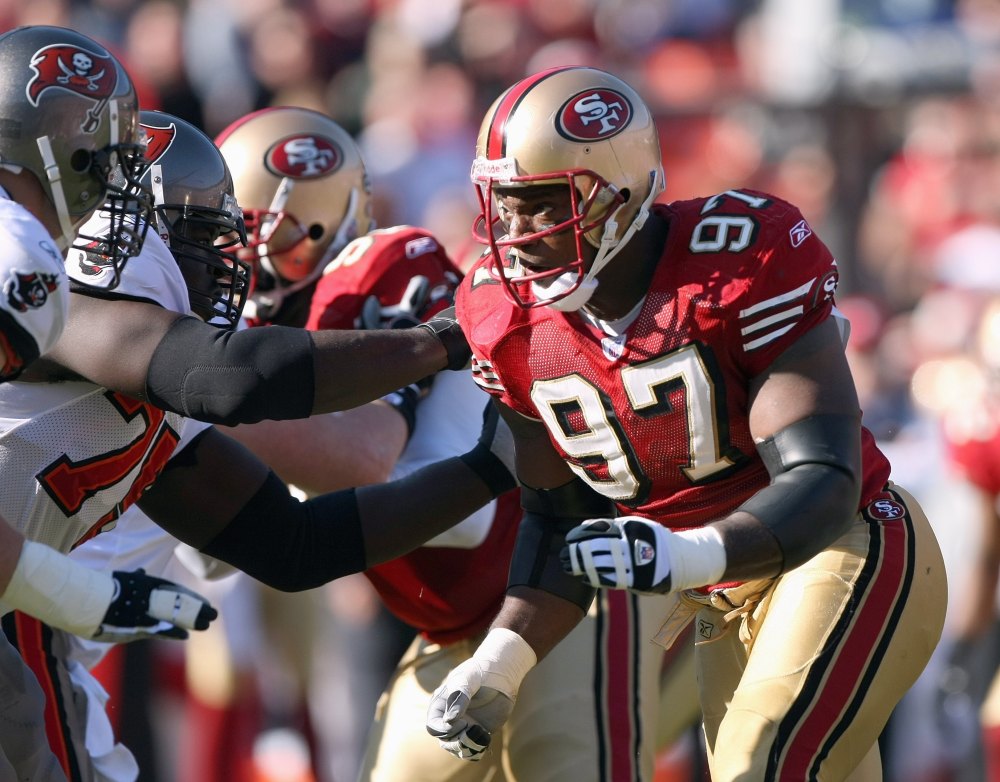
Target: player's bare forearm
<point>354,367</point>
<point>331,451</point>
<point>540,618</point>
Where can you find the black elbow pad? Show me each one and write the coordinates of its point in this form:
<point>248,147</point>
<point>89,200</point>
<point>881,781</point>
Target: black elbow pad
<point>232,377</point>
<point>549,515</point>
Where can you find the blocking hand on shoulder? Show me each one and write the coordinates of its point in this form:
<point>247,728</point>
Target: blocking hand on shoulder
<point>477,697</point>
<point>643,556</point>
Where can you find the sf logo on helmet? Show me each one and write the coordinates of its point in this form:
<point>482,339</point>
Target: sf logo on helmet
<point>66,67</point>
<point>593,115</point>
<point>31,290</point>
<point>304,157</point>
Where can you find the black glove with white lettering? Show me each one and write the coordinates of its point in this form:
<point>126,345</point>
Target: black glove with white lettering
<point>145,606</point>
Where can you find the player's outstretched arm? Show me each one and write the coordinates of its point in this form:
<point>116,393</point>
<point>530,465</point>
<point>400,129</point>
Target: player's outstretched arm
<point>218,497</point>
<point>119,606</point>
<point>182,364</point>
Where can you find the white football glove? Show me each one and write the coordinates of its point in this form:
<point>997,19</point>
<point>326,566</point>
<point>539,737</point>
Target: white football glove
<point>643,556</point>
<point>477,697</point>
<point>407,312</point>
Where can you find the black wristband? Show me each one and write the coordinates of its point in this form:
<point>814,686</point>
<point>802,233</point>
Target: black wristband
<point>490,469</point>
<point>404,401</point>
<point>445,327</point>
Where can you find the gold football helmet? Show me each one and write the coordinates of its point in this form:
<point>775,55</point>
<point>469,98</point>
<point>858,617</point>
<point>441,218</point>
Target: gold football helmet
<point>584,128</point>
<point>302,184</point>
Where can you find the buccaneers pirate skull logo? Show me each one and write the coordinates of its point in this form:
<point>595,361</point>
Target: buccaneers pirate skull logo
<point>63,66</point>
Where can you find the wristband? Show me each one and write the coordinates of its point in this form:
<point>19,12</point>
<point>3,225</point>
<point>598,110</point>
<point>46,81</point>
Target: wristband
<point>53,588</point>
<point>505,659</point>
<point>697,558</point>
<point>404,401</point>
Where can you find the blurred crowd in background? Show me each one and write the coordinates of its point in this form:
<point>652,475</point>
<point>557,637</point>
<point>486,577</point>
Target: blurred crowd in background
<point>880,119</point>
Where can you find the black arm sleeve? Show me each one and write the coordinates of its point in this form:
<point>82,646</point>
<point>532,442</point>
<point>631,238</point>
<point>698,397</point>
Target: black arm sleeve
<point>292,545</point>
<point>548,516</point>
<point>815,469</point>
<point>232,377</point>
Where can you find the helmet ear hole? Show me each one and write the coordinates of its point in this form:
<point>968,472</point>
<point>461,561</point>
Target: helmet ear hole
<point>626,194</point>
<point>316,232</point>
<point>80,160</point>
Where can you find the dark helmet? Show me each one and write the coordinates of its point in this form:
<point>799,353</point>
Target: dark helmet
<point>197,215</point>
<point>69,115</point>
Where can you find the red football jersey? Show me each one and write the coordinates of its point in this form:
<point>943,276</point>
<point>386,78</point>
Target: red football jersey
<point>657,418</point>
<point>448,593</point>
<point>972,439</point>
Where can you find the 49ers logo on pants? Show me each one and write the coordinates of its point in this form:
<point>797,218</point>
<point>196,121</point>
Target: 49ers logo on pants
<point>885,510</point>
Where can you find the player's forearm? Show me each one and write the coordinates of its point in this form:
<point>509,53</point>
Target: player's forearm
<point>354,367</point>
<point>540,618</point>
<point>292,545</point>
<point>332,451</point>
<point>278,373</point>
<point>404,514</point>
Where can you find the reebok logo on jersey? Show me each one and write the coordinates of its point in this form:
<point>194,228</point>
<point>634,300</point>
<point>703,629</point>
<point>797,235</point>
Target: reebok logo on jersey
<point>799,233</point>
<point>421,246</point>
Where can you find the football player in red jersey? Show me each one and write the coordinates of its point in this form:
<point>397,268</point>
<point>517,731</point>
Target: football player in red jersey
<point>685,424</point>
<point>387,278</point>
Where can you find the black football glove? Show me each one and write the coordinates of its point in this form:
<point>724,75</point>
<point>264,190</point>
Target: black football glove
<point>144,606</point>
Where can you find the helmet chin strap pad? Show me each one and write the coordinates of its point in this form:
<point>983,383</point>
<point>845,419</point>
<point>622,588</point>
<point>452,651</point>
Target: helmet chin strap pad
<point>562,283</point>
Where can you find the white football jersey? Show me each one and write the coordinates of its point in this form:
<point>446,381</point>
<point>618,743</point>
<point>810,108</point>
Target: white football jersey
<point>34,289</point>
<point>74,455</point>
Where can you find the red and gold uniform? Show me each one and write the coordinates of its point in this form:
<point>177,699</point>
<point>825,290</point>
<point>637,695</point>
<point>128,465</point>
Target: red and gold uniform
<point>451,589</point>
<point>652,412</point>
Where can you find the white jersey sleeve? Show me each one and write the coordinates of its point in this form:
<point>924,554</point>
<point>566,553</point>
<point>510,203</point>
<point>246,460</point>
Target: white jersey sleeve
<point>152,275</point>
<point>34,289</point>
<point>448,423</point>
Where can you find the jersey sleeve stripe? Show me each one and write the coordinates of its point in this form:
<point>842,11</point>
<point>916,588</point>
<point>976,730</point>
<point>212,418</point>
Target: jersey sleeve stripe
<point>769,337</point>
<point>483,374</point>
<point>782,298</point>
<point>772,319</point>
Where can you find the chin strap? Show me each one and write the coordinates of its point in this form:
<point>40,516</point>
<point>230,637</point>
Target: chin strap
<point>609,248</point>
<point>54,177</point>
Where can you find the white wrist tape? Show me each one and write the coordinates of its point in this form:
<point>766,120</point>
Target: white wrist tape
<point>50,586</point>
<point>505,659</point>
<point>697,558</point>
